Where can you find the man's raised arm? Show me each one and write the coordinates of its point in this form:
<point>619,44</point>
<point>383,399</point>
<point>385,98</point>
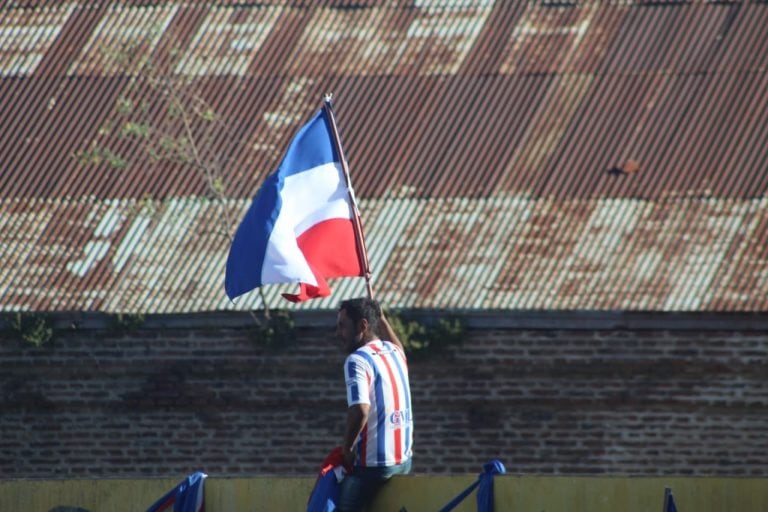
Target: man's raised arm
<point>388,332</point>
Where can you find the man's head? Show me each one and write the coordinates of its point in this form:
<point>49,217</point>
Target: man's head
<point>357,323</point>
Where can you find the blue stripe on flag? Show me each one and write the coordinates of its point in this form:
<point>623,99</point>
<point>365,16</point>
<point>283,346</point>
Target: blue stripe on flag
<point>671,504</point>
<point>249,247</point>
<point>311,147</point>
<point>316,134</point>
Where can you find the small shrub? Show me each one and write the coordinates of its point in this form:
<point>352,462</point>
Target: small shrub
<point>32,329</point>
<point>274,331</point>
<point>421,341</point>
<point>124,323</point>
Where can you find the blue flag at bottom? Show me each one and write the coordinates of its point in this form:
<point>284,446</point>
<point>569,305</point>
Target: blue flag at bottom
<point>669,501</point>
<point>187,496</point>
<point>484,486</point>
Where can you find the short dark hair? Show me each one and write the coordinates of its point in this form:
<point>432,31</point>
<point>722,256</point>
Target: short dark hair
<point>363,308</point>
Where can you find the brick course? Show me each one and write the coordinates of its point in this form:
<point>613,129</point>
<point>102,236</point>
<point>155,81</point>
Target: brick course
<point>168,401</point>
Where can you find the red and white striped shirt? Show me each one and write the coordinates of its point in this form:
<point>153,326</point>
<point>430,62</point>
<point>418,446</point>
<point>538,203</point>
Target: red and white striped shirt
<point>377,374</point>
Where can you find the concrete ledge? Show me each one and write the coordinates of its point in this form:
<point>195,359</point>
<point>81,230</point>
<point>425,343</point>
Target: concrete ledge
<point>474,319</point>
<point>415,493</point>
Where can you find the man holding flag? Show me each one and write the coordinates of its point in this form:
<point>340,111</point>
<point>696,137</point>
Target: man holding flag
<point>304,227</point>
<point>378,437</point>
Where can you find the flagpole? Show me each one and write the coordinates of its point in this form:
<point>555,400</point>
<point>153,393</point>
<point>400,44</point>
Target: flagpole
<point>362,251</point>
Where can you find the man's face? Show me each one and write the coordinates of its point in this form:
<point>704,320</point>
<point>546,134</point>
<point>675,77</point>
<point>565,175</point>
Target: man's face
<point>349,333</point>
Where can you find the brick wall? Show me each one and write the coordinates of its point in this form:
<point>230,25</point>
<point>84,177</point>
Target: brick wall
<point>581,399</point>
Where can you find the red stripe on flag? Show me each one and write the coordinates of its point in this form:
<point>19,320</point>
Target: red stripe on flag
<point>167,503</point>
<point>330,248</point>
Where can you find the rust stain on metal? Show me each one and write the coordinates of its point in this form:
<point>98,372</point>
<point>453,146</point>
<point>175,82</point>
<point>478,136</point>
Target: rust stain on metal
<point>480,136</point>
<point>26,35</point>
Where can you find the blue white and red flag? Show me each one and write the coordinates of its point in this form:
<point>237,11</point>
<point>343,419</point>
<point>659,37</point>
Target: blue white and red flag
<point>300,227</point>
<point>187,496</point>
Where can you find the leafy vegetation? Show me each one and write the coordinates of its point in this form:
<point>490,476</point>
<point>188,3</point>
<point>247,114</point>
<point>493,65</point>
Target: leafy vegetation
<point>422,341</point>
<point>275,331</point>
<point>124,322</point>
<point>33,329</point>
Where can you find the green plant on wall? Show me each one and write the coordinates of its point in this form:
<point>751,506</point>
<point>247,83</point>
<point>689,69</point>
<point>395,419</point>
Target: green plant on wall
<point>33,329</point>
<point>126,322</point>
<point>422,341</point>
<point>275,331</point>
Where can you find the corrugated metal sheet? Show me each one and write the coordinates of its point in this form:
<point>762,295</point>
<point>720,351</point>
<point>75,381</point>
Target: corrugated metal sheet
<point>167,256</point>
<point>486,140</point>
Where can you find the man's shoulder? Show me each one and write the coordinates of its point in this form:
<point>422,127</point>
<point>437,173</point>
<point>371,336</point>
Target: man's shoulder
<point>370,351</point>
<point>360,354</point>
<point>389,347</point>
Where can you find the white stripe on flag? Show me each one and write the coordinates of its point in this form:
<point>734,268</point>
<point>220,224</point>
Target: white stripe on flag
<point>308,198</point>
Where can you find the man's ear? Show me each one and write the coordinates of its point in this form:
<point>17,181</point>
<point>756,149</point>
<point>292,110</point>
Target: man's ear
<point>363,326</point>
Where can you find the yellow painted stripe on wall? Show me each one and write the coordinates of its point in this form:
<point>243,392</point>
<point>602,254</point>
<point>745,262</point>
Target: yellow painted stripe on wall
<point>416,493</point>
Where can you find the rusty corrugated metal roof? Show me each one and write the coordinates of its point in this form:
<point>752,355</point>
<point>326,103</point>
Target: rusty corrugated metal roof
<point>514,155</point>
<point>678,255</point>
